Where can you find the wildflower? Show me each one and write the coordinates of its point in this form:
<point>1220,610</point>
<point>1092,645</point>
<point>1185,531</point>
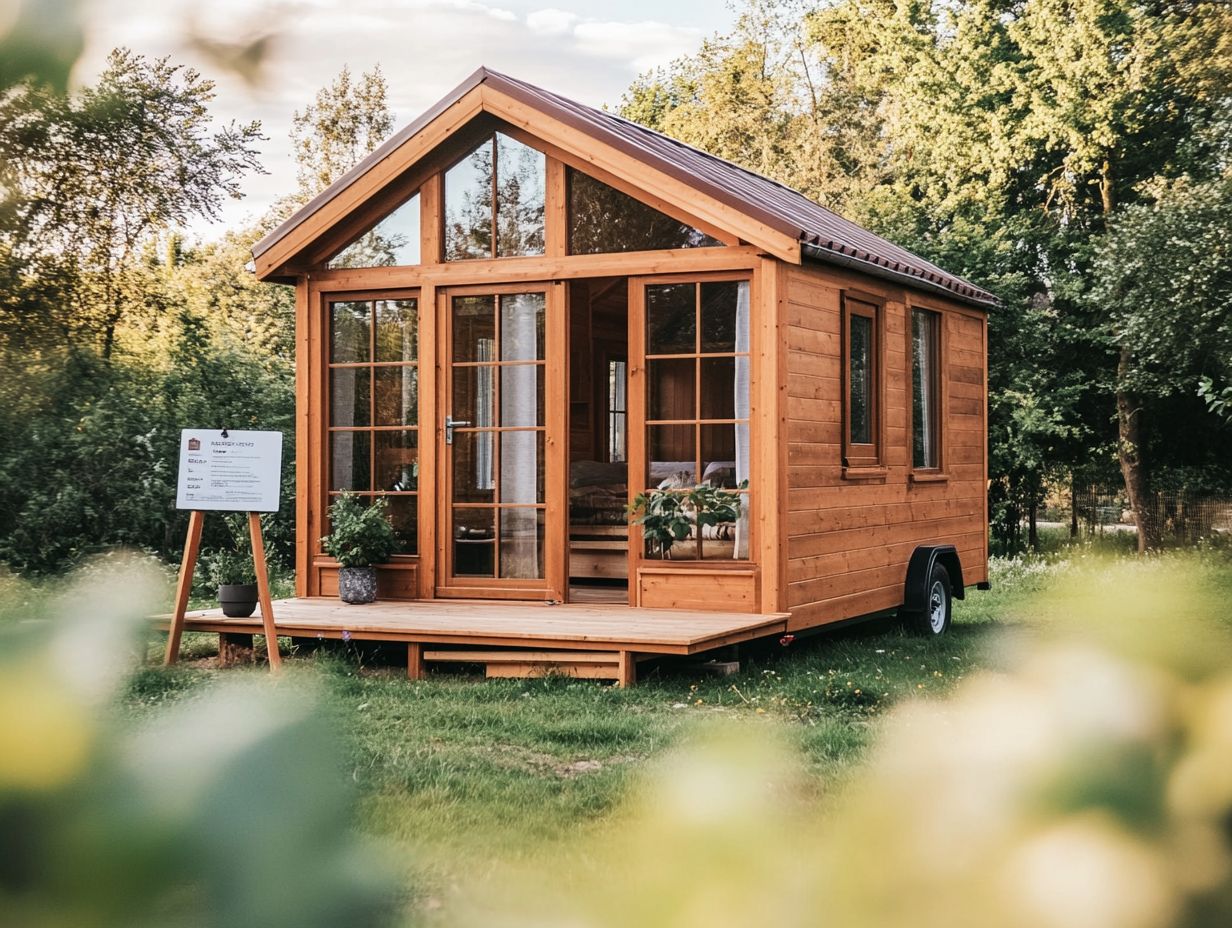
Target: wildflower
<point>346,635</point>
<point>787,640</point>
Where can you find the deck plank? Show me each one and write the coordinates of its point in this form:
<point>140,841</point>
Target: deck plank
<point>569,626</point>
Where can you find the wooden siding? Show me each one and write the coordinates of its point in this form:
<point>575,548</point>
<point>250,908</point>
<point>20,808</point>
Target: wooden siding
<point>850,534</point>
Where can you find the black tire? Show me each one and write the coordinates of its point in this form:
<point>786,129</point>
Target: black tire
<point>934,621</point>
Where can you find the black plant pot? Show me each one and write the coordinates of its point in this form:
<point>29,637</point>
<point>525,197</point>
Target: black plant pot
<point>239,600</point>
<point>357,585</point>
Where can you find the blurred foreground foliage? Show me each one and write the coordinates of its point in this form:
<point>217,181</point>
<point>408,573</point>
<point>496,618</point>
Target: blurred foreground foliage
<point>226,809</point>
<point>1086,787</point>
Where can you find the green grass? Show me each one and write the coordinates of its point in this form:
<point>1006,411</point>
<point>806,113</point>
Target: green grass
<point>465,775</point>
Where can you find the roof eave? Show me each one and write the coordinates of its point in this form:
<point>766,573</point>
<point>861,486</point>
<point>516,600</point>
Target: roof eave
<point>976,297</point>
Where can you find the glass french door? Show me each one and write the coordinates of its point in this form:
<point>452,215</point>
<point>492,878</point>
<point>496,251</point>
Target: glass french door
<point>500,390</point>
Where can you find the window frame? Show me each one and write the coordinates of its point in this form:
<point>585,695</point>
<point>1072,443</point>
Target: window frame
<point>639,422</point>
<point>326,491</point>
<point>864,458</point>
<point>937,471</point>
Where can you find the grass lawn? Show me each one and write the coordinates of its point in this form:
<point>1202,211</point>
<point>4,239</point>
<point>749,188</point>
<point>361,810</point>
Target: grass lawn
<point>468,776</point>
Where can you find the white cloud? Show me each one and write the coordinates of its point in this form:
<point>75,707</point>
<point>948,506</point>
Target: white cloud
<point>551,21</point>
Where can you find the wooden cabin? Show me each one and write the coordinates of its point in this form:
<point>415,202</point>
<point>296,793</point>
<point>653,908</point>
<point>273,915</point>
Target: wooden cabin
<point>520,312</point>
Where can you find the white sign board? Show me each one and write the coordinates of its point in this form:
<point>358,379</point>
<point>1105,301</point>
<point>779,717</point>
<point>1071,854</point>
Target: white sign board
<point>236,473</point>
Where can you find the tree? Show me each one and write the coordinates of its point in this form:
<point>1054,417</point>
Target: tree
<point>90,182</point>
<point>331,135</point>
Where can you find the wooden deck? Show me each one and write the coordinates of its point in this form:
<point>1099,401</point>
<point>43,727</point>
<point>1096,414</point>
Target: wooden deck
<point>585,636</point>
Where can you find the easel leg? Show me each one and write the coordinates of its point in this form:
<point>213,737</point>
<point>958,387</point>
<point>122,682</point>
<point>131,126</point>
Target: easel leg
<point>263,591</point>
<point>183,586</point>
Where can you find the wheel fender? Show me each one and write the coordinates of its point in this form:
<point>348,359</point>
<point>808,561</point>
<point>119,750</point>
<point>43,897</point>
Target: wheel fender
<point>920,568</point>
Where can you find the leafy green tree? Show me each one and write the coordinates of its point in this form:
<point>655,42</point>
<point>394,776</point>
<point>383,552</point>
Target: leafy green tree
<point>348,119</point>
<point>92,179</point>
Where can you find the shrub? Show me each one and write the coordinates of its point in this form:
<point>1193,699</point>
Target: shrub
<point>361,534</point>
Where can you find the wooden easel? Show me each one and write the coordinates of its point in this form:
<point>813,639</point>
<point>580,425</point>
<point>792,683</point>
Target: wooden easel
<point>192,547</point>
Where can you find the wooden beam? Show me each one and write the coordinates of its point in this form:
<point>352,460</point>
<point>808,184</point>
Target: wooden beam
<point>304,422</point>
<point>493,271</point>
<point>415,661</point>
<point>556,210</point>
<point>626,669</point>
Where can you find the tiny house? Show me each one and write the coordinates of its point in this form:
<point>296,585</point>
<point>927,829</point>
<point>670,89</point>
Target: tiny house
<point>521,313</point>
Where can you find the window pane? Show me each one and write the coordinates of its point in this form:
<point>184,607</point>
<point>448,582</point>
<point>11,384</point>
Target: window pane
<point>671,388</point>
<point>397,460</point>
<point>522,467</point>
<point>719,304</point>
<point>719,454</point>
<point>474,542</point>
<point>348,457</point>
<point>474,328</point>
<point>719,388</point>
<point>349,332</point>
<point>348,396</point>
<point>392,241</point>
<point>474,467</point>
<point>522,326</point>
<point>602,219</point>
<point>671,319</point>
<point>397,395</point>
<point>861,380</point>
<point>404,517</point>
<point>616,409</point>
<point>474,395</point>
<point>521,544</point>
<point>672,452</point>
<point>468,206</point>
<point>521,395</point>
<point>519,198</point>
<point>397,330</point>
<point>924,394</point>
<point>728,540</point>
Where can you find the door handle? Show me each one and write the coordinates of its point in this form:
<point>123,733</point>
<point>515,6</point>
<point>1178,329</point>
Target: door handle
<point>450,424</point>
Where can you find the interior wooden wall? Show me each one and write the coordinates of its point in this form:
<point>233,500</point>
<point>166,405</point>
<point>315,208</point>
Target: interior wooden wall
<point>849,539</point>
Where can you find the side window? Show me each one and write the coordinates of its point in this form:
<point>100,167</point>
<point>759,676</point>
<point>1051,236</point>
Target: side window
<point>925,389</point>
<point>861,382</point>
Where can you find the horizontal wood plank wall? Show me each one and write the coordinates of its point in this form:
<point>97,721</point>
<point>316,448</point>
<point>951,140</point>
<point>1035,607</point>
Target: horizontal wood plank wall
<point>849,540</point>
<point>704,590</point>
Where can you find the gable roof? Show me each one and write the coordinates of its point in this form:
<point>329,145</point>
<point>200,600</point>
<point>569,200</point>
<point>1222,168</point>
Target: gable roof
<point>823,234</point>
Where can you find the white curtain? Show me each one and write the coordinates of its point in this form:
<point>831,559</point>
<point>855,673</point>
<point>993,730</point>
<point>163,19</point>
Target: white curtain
<point>520,464</point>
<point>741,548</point>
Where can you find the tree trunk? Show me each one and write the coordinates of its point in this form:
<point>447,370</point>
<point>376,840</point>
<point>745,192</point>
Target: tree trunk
<point>1073,507</point>
<point>1033,525</point>
<point>1129,451</point>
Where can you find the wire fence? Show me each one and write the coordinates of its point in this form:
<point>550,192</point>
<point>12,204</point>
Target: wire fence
<point>1183,517</point>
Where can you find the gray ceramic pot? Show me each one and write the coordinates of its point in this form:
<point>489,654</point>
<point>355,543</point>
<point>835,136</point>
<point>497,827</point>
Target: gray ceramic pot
<point>239,600</point>
<point>357,585</point>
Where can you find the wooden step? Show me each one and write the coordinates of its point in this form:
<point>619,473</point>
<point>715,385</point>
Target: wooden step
<point>521,664</point>
<point>523,657</point>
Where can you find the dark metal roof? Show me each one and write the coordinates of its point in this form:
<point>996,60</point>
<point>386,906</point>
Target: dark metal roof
<point>823,234</point>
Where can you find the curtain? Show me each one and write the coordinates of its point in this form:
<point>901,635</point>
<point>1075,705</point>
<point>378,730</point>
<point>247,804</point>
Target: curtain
<point>741,385</point>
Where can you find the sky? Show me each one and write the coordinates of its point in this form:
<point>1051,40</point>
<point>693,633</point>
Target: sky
<point>586,50</point>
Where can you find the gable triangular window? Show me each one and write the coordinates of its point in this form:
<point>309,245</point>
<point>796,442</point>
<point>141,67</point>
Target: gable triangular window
<point>603,219</point>
<point>394,241</point>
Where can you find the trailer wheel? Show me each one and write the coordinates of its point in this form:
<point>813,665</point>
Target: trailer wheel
<point>939,603</point>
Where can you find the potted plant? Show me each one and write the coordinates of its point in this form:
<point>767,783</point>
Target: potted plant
<point>360,537</point>
<point>233,573</point>
<point>669,515</point>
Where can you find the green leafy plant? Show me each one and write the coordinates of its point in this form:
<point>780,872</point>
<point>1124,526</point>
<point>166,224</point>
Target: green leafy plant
<point>669,515</point>
<point>361,535</point>
<point>233,565</point>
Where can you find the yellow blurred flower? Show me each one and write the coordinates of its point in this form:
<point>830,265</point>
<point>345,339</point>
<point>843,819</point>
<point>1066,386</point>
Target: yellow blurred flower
<point>45,734</point>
